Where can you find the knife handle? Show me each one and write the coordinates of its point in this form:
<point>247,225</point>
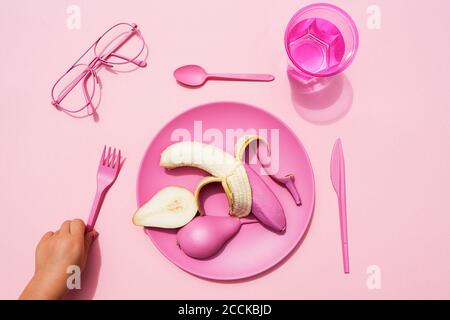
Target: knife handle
<point>344,232</point>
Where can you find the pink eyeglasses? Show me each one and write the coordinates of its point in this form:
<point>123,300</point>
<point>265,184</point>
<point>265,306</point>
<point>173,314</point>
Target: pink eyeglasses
<point>83,100</point>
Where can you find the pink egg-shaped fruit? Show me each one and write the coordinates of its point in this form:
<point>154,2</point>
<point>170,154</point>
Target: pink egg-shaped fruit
<point>204,236</point>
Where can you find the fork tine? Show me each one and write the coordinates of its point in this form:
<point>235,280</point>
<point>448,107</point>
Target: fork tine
<point>113,157</point>
<point>108,157</point>
<point>102,159</point>
<point>117,163</point>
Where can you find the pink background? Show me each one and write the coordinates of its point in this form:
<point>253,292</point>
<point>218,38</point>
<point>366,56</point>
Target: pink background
<point>396,138</point>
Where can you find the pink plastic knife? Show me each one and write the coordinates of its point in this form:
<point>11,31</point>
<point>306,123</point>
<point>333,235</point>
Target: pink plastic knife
<point>338,180</point>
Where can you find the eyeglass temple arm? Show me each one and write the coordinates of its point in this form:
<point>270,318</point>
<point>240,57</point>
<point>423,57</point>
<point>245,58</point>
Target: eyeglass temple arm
<point>70,86</point>
<point>137,62</point>
<point>86,95</point>
<point>112,53</point>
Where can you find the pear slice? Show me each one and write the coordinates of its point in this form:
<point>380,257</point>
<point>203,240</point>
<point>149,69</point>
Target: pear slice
<point>170,208</point>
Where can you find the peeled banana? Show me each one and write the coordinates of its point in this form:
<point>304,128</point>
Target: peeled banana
<point>223,167</point>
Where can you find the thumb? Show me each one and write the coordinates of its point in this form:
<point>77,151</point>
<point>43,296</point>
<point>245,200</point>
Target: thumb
<point>88,239</point>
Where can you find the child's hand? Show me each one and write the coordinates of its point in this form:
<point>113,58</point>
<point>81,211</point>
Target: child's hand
<point>54,254</point>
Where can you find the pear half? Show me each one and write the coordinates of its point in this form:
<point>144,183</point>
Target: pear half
<point>170,208</point>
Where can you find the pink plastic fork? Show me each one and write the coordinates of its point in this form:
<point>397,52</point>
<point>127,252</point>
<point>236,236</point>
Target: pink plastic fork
<point>108,170</point>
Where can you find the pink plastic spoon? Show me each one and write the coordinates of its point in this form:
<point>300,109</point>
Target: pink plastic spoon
<point>196,76</point>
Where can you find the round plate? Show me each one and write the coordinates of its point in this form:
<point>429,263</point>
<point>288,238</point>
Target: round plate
<point>255,249</point>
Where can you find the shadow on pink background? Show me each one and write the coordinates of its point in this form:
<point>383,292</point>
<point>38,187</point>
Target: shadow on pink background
<point>396,138</point>
<point>324,101</point>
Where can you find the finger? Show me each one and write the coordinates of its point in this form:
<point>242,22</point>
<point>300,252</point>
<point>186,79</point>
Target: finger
<point>89,239</point>
<point>47,235</point>
<point>65,227</point>
<point>77,227</point>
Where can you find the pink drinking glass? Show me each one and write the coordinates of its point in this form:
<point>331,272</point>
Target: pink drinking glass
<point>83,77</point>
<point>321,40</point>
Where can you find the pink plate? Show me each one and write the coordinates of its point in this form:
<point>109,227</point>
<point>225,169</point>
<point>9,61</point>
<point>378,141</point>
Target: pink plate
<point>255,249</point>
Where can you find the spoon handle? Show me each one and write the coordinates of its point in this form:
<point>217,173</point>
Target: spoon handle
<point>242,77</point>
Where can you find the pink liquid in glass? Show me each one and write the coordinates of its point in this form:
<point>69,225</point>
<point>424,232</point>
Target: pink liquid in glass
<point>316,45</point>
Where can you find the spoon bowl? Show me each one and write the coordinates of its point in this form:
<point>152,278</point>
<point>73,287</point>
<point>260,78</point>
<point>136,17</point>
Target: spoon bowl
<point>191,75</point>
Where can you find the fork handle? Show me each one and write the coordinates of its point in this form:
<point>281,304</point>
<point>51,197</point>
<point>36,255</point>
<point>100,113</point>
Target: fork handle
<point>98,201</point>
